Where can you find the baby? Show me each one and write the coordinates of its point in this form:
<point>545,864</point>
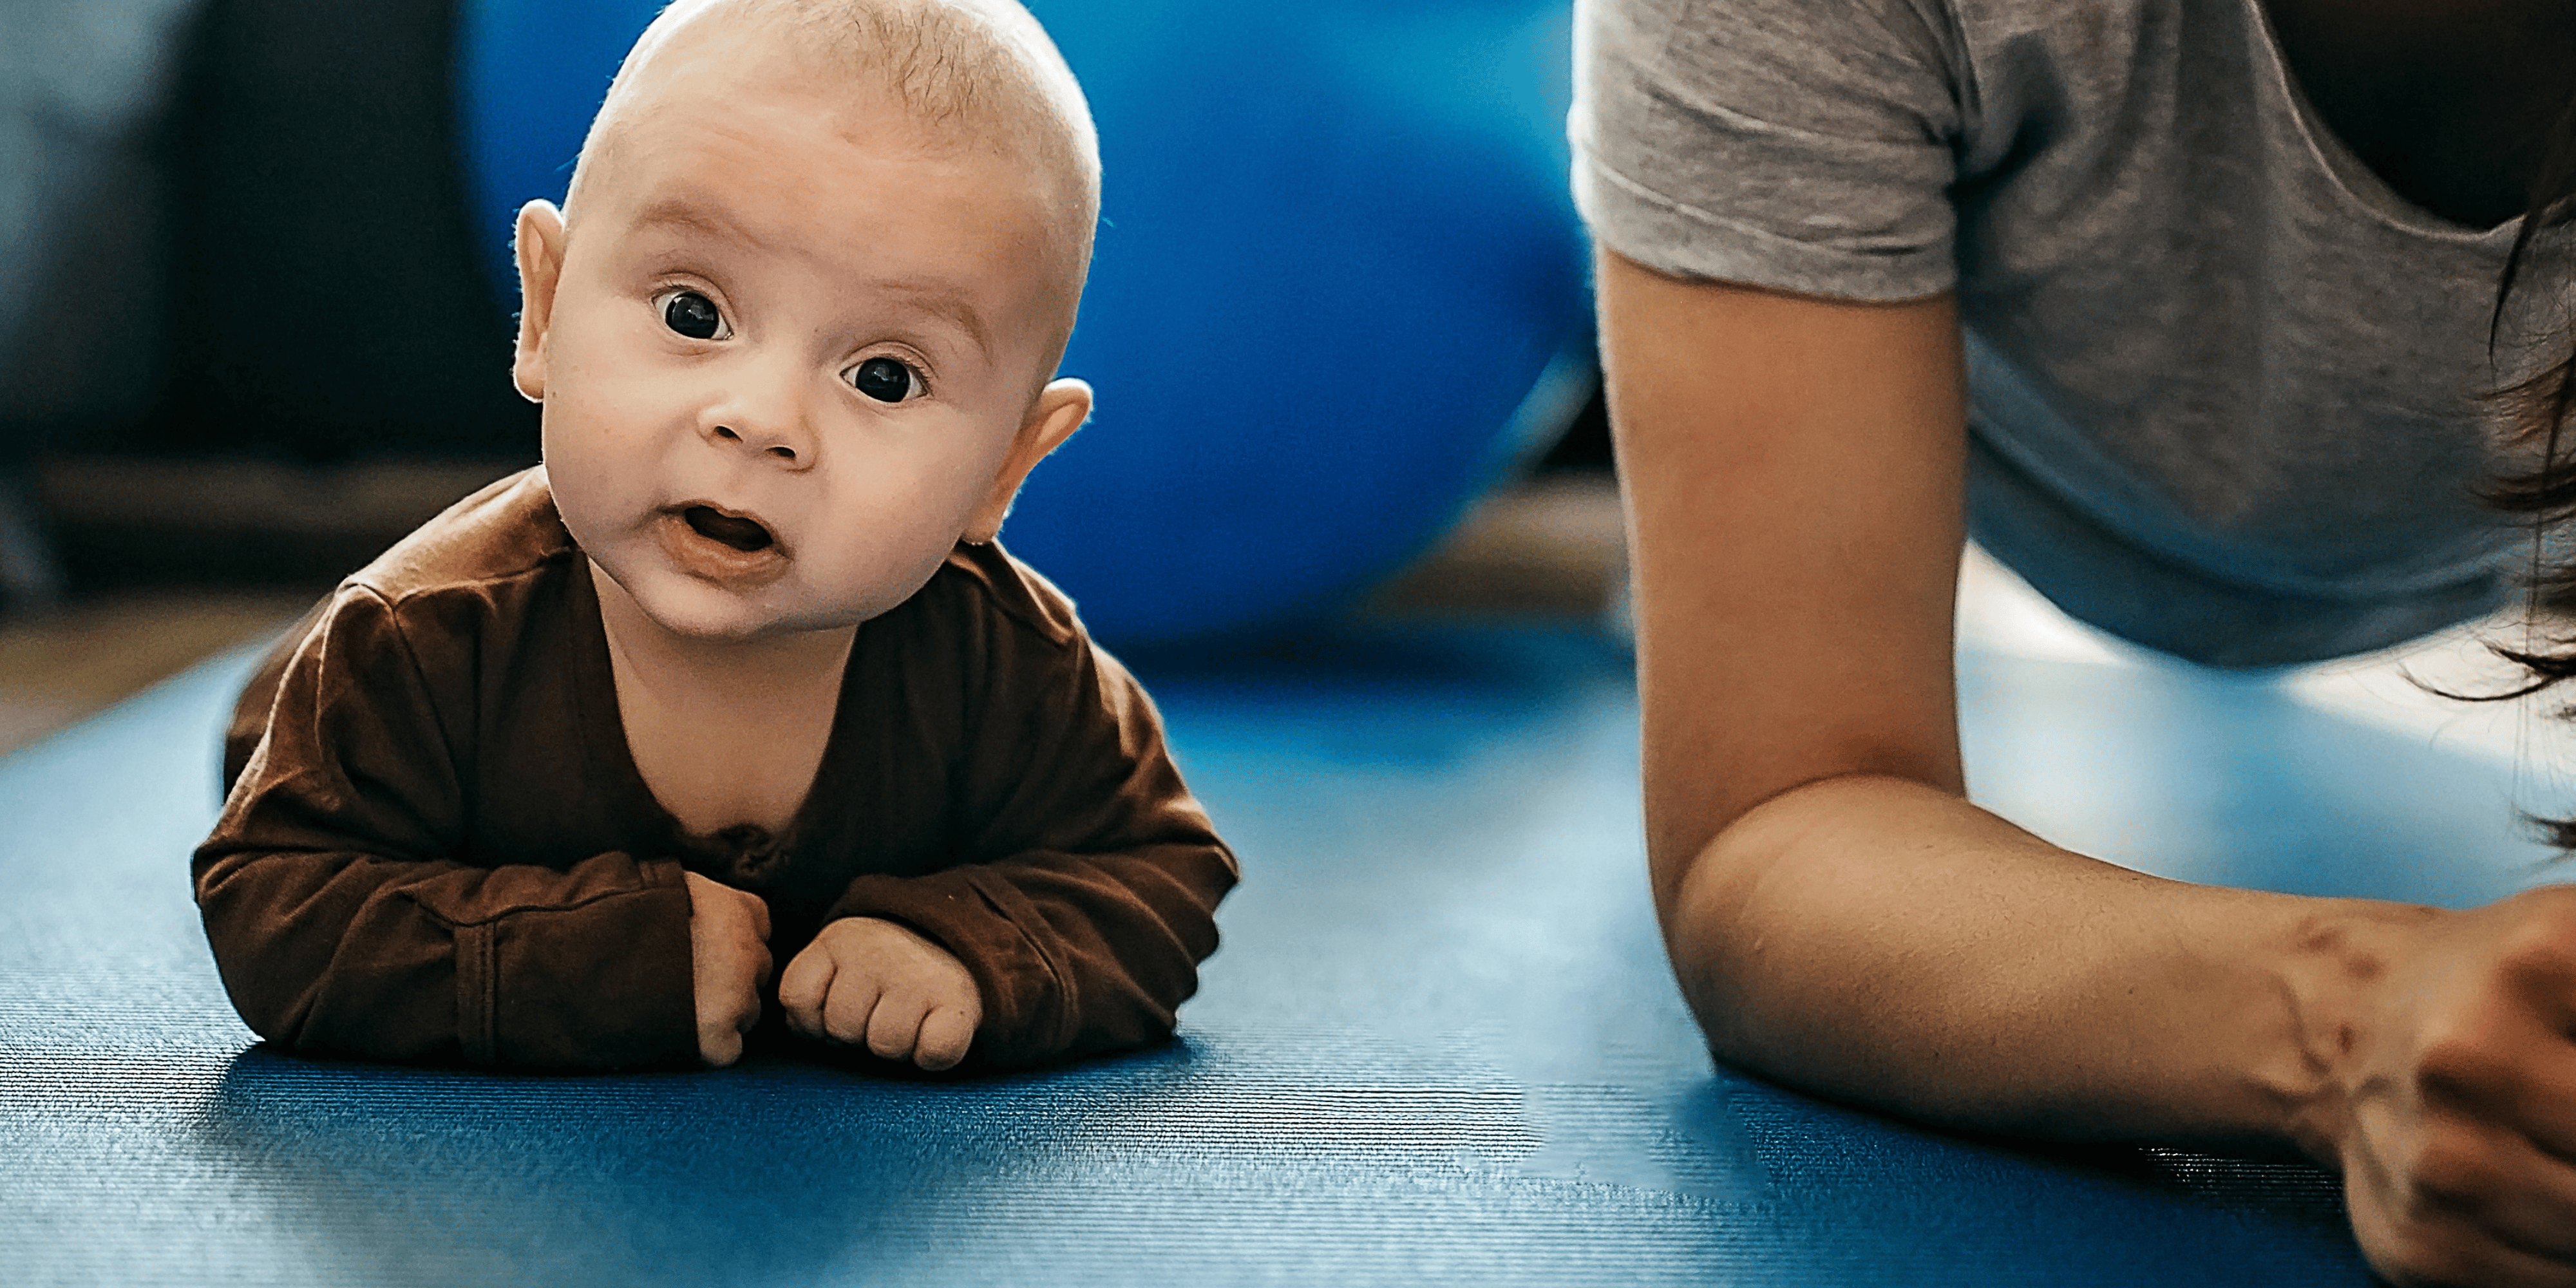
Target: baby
<point>738,667</point>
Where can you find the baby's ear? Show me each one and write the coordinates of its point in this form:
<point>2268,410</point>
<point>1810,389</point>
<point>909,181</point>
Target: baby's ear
<point>540,243</point>
<point>1059,410</point>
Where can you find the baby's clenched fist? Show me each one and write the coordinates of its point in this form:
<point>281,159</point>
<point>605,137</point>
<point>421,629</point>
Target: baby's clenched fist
<point>871,981</point>
<point>729,961</point>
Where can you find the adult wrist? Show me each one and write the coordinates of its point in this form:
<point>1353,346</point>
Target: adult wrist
<point>2339,968</point>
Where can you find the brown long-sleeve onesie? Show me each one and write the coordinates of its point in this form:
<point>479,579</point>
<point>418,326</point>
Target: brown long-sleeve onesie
<point>437,847</point>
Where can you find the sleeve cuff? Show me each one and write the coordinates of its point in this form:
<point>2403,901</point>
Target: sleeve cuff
<point>1684,241</point>
<point>608,983</point>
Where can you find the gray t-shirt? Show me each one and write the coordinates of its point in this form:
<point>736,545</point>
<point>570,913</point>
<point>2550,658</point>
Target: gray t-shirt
<point>2225,384</point>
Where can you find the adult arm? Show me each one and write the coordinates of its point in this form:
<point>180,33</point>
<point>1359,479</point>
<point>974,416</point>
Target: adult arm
<point>1842,919</point>
<point>346,919</point>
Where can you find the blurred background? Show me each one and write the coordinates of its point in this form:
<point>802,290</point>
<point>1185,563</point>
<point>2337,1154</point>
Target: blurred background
<point>254,324</point>
<point>255,320</point>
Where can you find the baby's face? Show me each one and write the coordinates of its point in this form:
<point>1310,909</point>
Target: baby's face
<point>788,355</point>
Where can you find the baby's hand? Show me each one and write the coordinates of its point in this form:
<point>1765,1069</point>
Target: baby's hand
<point>729,959</point>
<point>868,980</point>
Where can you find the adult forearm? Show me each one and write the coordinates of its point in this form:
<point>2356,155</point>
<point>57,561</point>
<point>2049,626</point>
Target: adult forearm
<point>1879,941</point>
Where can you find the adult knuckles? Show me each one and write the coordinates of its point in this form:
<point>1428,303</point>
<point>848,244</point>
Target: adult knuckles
<point>2472,1055</point>
<point>2539,950</point>
<point>2455,1171</point>
<point>2429,1254</point>
<point>2471,1264</point>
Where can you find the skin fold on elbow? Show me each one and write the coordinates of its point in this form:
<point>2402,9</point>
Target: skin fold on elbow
<point>1791,866</point>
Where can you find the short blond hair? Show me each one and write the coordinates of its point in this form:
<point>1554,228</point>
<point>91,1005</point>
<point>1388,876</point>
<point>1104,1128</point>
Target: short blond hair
<point>981,71</point>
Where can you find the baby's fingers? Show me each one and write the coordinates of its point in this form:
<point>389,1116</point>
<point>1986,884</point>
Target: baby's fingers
<point>895,1026</point>
<point>854,996</point>
<point>719,1047</point>
<point>945,1035</point>
<point>802,990</point>
<point>911,1027</point>
<point>721,1027</point>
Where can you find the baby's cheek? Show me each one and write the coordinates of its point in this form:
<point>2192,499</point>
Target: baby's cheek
<point>577,498</point>
<point>878,575</point>
<point>598,485</point>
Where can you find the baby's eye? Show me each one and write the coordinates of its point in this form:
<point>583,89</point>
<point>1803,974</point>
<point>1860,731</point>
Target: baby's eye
<point>885,379</point>
<point>692,315</point>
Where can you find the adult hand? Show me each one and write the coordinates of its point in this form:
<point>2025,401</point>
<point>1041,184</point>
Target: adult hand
<point>872,981</point>
<point>729,959</point>
<point>2451,1099</point>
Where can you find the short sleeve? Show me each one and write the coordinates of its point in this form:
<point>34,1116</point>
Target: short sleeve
<point>1806,145</point>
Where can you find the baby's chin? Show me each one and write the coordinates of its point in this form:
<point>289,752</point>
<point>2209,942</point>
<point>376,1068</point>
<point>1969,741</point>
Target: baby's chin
<point>710,615</point>
<point>801,598</point>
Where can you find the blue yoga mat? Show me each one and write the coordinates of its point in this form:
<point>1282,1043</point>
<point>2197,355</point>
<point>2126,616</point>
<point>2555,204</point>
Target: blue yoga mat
<point>1440,1043</point>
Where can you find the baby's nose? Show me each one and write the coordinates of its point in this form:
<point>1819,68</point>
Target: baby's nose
<point>773,444</point>
<point>783,438</point>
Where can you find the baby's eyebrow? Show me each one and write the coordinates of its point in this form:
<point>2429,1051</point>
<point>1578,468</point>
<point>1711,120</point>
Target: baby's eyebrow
<point>946,302</point>
<point>687,216</point>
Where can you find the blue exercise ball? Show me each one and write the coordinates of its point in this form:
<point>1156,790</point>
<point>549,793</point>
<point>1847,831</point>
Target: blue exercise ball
<point>1338,286</point>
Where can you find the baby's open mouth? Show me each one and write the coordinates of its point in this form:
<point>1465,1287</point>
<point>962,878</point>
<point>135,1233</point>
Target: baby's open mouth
<point>741,534</point>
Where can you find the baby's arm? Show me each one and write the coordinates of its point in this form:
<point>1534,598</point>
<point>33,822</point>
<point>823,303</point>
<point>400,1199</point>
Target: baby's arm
<point>1087,878</point>
<point>345,919</point>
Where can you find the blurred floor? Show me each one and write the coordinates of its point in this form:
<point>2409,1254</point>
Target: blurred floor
<point>169,561</point>
<point>64,665</point>
<point>1549,548</point>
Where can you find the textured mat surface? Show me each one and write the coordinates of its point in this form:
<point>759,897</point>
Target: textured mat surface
<point>1439,1045</point>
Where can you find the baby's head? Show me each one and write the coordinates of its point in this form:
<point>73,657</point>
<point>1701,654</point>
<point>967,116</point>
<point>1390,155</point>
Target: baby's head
<point>963,75</point>
<point>795,326</point>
